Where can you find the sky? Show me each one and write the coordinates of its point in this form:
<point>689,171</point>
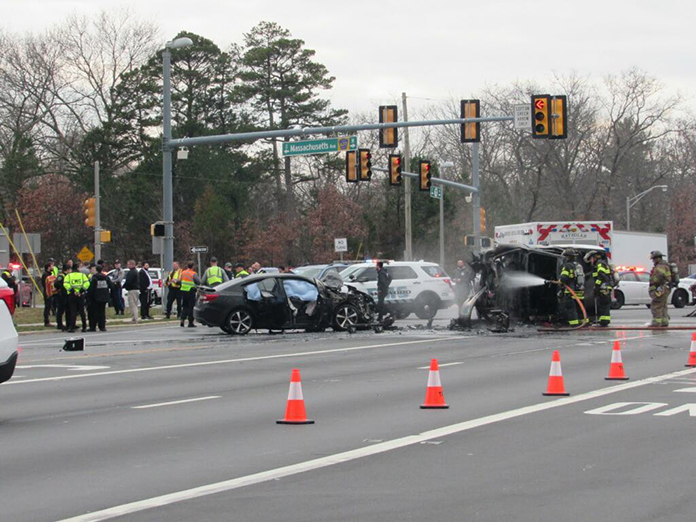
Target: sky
<point>432,50</point>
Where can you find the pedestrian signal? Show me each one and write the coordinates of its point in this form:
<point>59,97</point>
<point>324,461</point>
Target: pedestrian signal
<point>388,138</point>
<point>559,115</point>
<point>425,175</point>
<point>91,212</point>
<point>351,166</point>
<point>365,164</point>
<point>471,132</point>
<point>541,121</point>
<point>395,169</point>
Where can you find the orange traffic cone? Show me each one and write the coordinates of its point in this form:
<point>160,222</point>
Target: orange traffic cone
<point>692,352</point>
<point>616,368</point>
<point>434,398</point>
<point>555,386</point>
<point>295,412</point>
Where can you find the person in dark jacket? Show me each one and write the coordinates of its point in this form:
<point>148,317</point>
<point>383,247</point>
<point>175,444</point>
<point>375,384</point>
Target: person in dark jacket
<point>100,288</point>
<point>383,282</point>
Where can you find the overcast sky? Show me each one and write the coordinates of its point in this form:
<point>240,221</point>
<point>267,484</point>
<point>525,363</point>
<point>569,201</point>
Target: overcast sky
<point>434,49</point>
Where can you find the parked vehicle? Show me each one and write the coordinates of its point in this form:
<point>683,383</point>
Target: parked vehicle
<point>281,302</point>
<point>8,340</point>
<point>7,296</point>
<point>417,287</point>
<point>634,285</point>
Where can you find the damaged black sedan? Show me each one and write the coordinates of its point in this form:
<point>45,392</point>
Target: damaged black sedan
<point>282,302</point>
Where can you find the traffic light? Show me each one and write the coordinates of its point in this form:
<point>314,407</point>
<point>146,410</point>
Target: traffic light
<point>541,121</point>
<point>482,222</point>
<point>395,169</point>
<point>351,166</point>
<point>388,138</point>
<point>425,176</point>
<point>365,164</point>
<point>91,212</point>
<point>559,115</point>
<point>471,132</point>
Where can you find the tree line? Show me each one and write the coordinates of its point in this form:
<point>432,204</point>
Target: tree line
<point>90,89</point>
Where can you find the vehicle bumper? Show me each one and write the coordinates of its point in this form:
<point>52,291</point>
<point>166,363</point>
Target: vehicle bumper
<point>8,367</point>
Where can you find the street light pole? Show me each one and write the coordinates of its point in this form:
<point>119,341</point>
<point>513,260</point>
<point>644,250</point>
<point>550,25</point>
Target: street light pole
<point>631,201</point>
<point>167,190</point>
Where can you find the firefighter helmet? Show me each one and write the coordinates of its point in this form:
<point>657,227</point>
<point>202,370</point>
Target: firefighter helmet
<point>655,254</point>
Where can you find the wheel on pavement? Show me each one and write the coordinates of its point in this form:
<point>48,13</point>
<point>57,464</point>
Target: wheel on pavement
<point>346,317</point>
<point>240,322</point>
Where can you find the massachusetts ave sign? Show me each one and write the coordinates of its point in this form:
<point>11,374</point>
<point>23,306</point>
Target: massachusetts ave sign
<point>301,148</point>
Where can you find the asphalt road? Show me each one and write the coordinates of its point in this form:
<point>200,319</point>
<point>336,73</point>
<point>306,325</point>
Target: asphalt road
<point>161,423</point>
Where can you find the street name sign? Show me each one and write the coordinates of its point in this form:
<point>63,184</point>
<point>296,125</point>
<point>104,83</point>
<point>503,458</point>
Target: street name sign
<point>324,146</point>
<point>436,192</point>
<point>341,244</point>
<point>523,116</point>
<point>199,250</point>
<point>85,255</point>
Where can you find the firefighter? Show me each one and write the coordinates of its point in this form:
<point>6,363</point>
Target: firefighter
<point>603,286</point>
<point>660,279</point>
<point>568,281</point>
<point>189,281</point>
<point>214,275</point>
<point>173,284</point>
<point>76,285</point>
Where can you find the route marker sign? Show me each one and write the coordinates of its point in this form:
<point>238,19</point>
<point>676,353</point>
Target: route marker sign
<point>324,146</point>
<point>85,255</point>
<point>436,192</point>
<point>199,250</point>
<point>523,116</point>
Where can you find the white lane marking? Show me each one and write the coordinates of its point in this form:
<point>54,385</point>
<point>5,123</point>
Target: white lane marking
<point>70,367</point>
<point>171,403</point>
<point>440,365</point>
<point>685,390</point>
<point>243,359</point>
<point>366,451</point>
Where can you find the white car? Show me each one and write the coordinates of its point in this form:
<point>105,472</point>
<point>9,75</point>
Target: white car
<point>634,285</point>
<point>417,286</point>
<point>8,341</point>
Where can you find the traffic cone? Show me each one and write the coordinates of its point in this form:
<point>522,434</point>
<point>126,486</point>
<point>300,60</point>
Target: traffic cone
<point>616,368</point>
<point>692,352</point>
<point>555,386</point>
<point>295,412</point>
<point>434,398</point>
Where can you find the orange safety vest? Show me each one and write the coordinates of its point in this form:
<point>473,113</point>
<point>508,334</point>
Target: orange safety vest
<point>187,282</point>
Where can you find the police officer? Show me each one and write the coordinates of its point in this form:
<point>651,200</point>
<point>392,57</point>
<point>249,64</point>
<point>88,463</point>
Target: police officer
<point>189,281</point>
<point>173,284</point>
<point>214,275</point>
<point>603,285</point>
<point>100,287</point>
<point>76,285</point>
<point>383,281</point>
<point>660,278</point>
<point>569,281</point>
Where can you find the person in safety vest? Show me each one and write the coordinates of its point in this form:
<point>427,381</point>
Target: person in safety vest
<point>173,284</point>
<point>76,285</point>
<point>569,279</point>
<point>603,286</point>
<point>189,282</point>
<point>49,291</point>
<point>214,275</point>
<point>659,289</point>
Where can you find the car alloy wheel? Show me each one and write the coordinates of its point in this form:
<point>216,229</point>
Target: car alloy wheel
<point>346,317</point>
<point>240,322</point>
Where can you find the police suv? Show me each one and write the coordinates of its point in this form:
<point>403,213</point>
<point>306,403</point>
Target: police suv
<point>417,286</point>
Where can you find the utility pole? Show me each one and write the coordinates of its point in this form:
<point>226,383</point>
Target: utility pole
<point>407,187</point>
<point>97,214</point>
<point>476,197</point>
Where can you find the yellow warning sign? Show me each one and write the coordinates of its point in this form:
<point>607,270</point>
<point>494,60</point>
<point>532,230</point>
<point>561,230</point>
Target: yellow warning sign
<point>85,255</point>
